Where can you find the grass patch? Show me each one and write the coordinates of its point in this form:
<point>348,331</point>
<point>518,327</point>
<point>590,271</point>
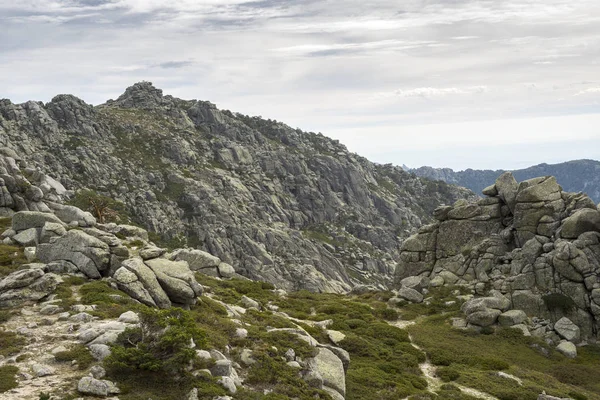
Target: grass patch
<point>11,259</point>
<point>10,343</point>
<point>78,353</point>
<point>8,379</point>
<point>435,304</point>
<point>473,359</point>
<point>110,303</point>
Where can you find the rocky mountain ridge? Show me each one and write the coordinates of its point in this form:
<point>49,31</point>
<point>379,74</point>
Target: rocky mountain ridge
<point>278,204</point>
<point>574,176</point>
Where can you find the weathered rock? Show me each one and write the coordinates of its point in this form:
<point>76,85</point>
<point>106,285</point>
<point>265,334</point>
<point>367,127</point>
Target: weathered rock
<point>32,219</point>
<point>149,253</point>
<point>176,279</point>
<point>91,386</point>
<point>410,295</point>
<point>484,317</point>
<point>90,255</point>
<point>581,221</point>
<point>196,259</point>
<point>149,281</point>
<point>568,349</point>
<point>28,237</point>
<point>512,317</point>
<point>330,367</point>
<point>73,215</point>
<point>567,330</point>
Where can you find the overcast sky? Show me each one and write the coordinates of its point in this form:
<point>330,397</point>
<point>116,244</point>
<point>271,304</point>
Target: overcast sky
<point>456,83</point>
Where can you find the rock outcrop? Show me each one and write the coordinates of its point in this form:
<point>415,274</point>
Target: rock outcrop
<point>531,243</point>
<point>271,202</point>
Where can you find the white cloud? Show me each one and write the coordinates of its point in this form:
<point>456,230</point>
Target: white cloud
<point>435,92</point>
<point>359,70</point>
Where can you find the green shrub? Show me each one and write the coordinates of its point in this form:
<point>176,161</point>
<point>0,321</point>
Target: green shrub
<point>447,374</point>
<point>388,314</point>
<point>103,208</point>
<point>161,343</point>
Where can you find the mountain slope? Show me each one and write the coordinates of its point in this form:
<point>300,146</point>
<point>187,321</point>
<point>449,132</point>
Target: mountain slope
<point>573,176</point>
<point>281,205</point>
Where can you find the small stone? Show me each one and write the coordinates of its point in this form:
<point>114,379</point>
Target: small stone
<point>40,370</point>
<point>98,372</point>
<point>567,330</point>
<point>221,368</point>
<point>410,295</point>
<point>290,355</point>
<point>99,351</point>
<point>512,317</point>
<point>129,317</point>
<point>568,349</point>
<point>246,357</point>
<point>81,317</point>
<point>250,303</point>
<point>58,349</point>
<point>29,253</point>
<point>50,309</point>
<point>90,385</point>
<point>226,270</point>
<point>203,354</point>
<point>228,384</point>
<point>241,333</point>
<point>335,336</point>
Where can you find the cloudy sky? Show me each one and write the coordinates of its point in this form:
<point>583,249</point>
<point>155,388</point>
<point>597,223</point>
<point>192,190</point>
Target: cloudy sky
<point>457,83</point>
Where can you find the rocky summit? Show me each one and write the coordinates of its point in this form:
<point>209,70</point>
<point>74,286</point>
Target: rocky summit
<point>277,204</point>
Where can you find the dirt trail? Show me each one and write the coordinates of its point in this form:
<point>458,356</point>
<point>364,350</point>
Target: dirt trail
<point>429,370</point>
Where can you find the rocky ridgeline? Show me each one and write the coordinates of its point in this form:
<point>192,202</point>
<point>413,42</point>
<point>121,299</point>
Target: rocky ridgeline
<point>278,204</point>
<point>63,241</point>
<point>532,248</point>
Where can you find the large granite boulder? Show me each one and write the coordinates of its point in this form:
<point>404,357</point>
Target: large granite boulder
<point>176,279</point>
<point>150,292</point>
<point>89,254</point>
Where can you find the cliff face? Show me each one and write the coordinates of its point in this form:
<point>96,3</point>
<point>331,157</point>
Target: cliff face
<point>530,242</point>
<point>574,176</point>
<point>281,205</point>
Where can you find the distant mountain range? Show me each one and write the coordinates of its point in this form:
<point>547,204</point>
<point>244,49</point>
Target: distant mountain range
<point>573,176</point>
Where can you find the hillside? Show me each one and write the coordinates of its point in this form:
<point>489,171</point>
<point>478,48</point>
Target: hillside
<point>289,207</point>
<point>573,176</point>
<point>497,300</point>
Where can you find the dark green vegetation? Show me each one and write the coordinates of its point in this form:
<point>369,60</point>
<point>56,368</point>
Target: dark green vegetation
<point>8,378</point>
<point>383,363</point>
<point>103,208</point>
<point>473,360</point>
<point>78,353</point>
<point>11,257</point>
<point>10,343</point>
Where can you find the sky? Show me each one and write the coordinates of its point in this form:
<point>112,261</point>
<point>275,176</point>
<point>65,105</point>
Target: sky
<point>497,84</point>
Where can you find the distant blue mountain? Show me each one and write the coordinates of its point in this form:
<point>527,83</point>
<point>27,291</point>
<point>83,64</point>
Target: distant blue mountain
<point>573,176</point>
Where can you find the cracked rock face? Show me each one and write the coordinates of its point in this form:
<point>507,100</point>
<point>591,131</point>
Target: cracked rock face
<point>531,242</point>
<point>293,208</point>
